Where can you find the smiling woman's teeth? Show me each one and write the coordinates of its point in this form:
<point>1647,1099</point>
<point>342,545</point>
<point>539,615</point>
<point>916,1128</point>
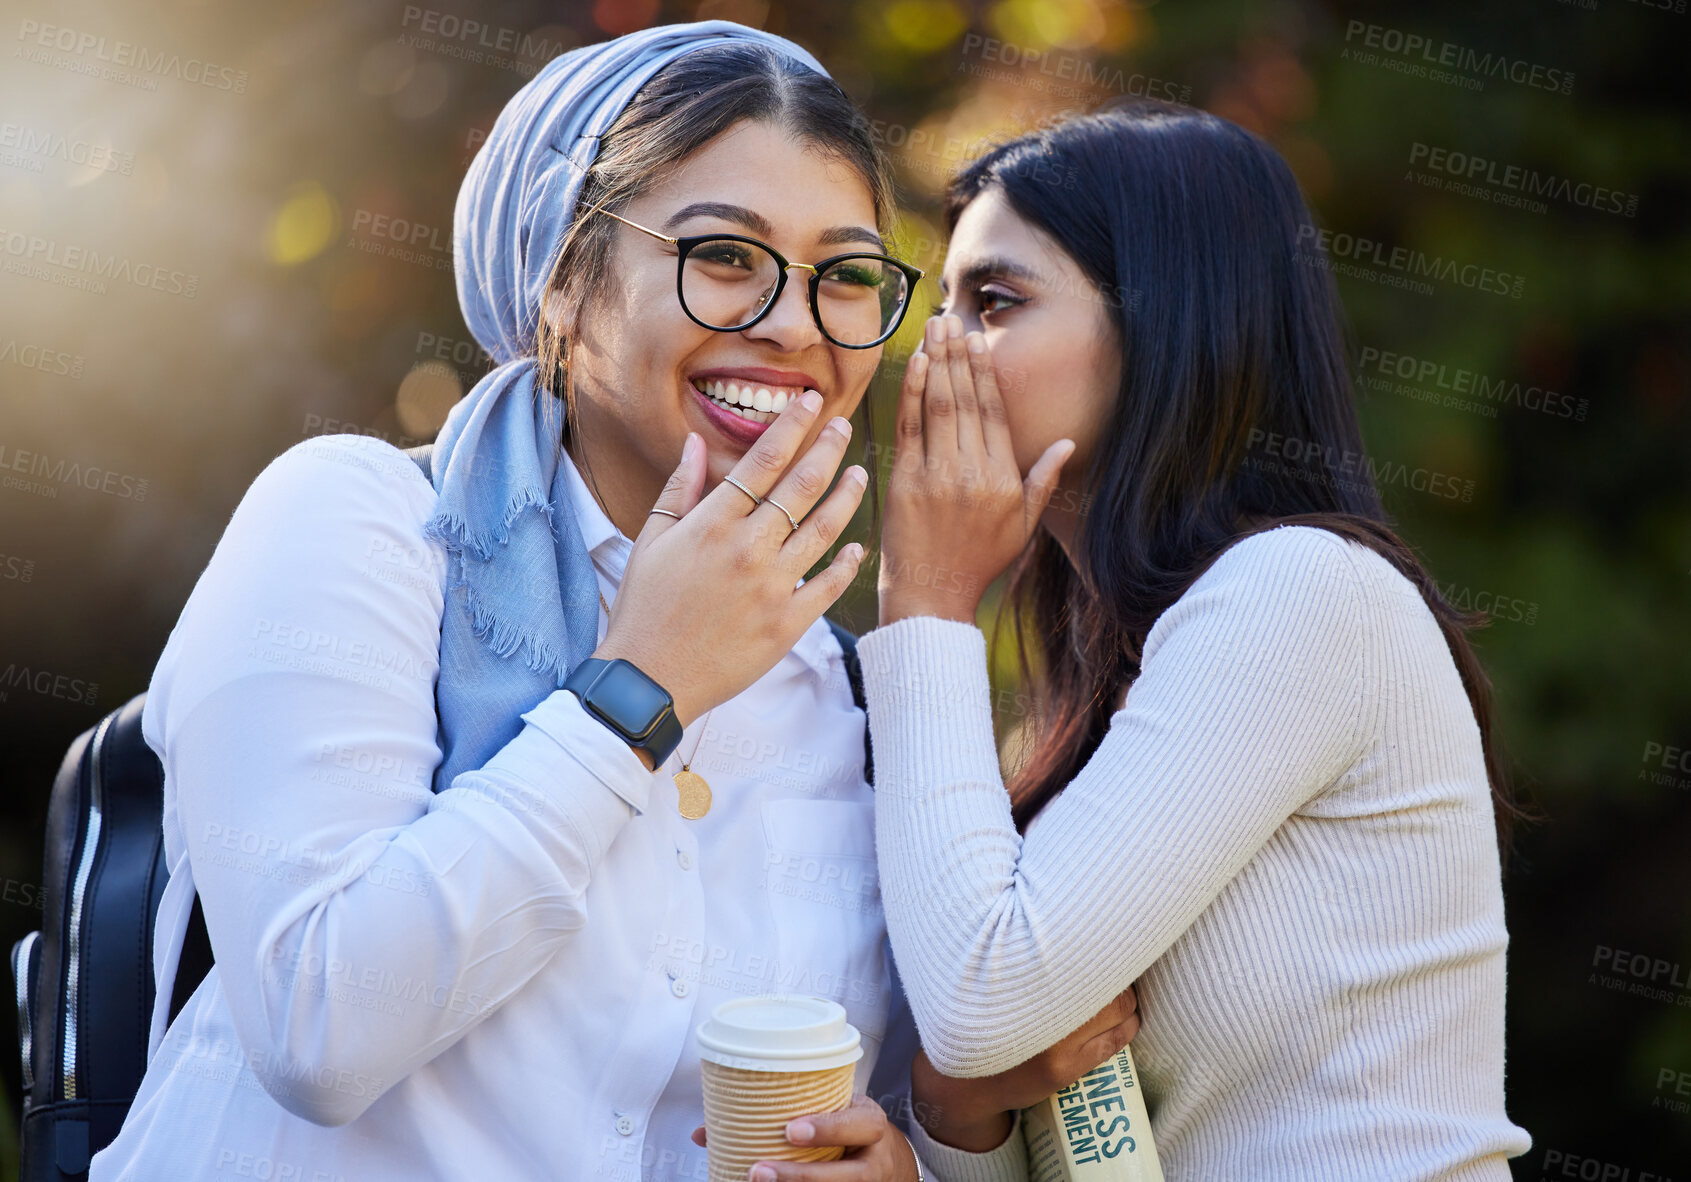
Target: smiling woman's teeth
<point>759,404</point>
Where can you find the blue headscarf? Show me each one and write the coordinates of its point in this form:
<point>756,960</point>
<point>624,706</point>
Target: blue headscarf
<point>518,575</point>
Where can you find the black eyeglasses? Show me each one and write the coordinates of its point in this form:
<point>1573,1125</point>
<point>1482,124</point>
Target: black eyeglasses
<point>728,282</point>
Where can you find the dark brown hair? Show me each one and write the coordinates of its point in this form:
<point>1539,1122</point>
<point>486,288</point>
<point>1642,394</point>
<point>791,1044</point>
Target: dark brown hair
<point>1227,335</point>
<point>683,107</point>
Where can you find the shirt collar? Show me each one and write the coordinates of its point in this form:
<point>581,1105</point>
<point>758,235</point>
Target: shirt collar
<point>817,647</point>
<point>597,530</point>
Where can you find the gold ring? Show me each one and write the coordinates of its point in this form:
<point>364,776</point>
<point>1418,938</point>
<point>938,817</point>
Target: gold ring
<point>783,509</point>
<point>756,500</point>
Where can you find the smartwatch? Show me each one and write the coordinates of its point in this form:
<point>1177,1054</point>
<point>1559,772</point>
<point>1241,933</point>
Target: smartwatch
<point>638,709</point>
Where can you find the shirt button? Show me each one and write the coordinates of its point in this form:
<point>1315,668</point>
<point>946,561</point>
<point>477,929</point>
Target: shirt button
<point>625,1126</point>
<point>679,987</point>
<point>686,859</point>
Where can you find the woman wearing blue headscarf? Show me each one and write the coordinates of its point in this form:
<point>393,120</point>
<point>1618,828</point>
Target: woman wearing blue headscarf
<point>478,849</point>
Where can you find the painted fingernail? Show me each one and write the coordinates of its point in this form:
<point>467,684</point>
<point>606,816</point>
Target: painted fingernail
<point>976,342</point>
<point>800,1131</point>
<point>936,329</point>
<point>763,1174</point>
<point>953,326</point>
<point>857,475</point>
<point>840,425</point>
<point>812,401</point>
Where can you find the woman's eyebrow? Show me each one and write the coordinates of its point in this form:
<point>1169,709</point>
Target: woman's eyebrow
<point>758,224</point>
<point>844,235</point>
<point>991,269</point>
<point>738,214</point>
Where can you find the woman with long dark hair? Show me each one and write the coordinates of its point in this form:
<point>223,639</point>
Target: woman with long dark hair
<point>1259,777</point>
<point>467,771</point>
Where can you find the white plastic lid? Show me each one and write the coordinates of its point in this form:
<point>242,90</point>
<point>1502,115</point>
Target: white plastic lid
<point>780,1032</point>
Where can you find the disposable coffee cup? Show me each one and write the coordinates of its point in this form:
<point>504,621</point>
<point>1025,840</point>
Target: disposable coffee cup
<point>764,1061</point>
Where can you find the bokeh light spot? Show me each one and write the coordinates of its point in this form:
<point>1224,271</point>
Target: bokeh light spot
<point>924,26</point>
<point>303,226</point>
<point>753,13</point>
<point>617,17</point>
<point>386,68</point>
<point>425,397</point>
<point>1036,24</point>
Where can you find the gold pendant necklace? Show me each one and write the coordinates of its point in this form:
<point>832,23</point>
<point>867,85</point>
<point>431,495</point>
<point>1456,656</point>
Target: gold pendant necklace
<point>692,792</point>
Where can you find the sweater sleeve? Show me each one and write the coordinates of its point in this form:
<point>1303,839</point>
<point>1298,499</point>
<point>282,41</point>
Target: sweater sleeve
<point>1248,704</point>
<point>362,924</point>
<point>1007,1162</point>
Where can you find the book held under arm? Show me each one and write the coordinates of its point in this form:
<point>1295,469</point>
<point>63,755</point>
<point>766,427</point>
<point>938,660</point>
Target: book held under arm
<point>1094,1130</point>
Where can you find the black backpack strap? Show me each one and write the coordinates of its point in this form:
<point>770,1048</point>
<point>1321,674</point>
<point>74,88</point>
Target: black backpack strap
<point>854,674</point>
<point>195,962</point>
<point>423,456</point>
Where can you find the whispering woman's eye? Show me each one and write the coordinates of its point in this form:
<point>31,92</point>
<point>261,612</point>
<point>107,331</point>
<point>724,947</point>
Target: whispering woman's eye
<point>989,300</point>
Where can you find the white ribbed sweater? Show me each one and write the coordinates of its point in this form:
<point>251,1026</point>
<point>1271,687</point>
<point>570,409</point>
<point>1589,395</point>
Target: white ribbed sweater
<point>1285,837</point>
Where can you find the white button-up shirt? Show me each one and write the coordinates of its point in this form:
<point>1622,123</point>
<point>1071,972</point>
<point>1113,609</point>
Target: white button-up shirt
<point>502,980</point>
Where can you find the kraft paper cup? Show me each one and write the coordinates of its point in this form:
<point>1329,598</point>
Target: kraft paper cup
<point>764,1061</point>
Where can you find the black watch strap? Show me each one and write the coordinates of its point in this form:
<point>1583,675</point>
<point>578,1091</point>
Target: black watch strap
<point>620,695</point>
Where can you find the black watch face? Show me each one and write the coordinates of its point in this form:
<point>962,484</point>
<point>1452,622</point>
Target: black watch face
<point>628,698</point>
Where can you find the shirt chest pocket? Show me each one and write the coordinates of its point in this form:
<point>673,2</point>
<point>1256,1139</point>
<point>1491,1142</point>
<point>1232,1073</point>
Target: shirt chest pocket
<point>823,890</point>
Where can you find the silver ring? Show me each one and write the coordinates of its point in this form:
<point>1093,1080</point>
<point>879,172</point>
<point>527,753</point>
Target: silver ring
<point>757,500</point>
<point>666,513</point>
<point>783,509</point>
